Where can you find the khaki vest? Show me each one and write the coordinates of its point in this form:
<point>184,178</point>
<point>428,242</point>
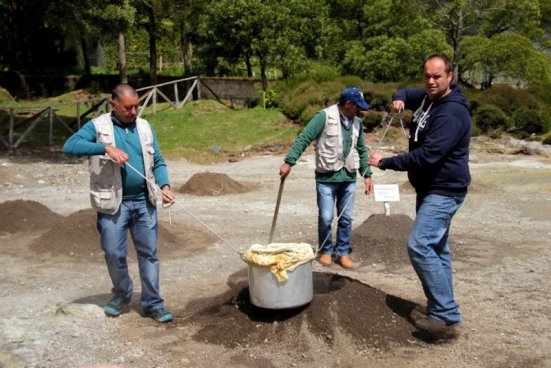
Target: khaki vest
<point>330,149</point>
<point>105,175</point>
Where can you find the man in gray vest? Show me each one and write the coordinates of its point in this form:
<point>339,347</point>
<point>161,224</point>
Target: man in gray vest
<point>124,198</point>
<point>340,152</point>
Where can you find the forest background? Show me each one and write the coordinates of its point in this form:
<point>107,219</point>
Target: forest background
<point>313,48</point>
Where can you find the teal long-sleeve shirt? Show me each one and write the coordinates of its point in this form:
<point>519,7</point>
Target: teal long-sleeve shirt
<point>312,132</point>
<point>83,143</point>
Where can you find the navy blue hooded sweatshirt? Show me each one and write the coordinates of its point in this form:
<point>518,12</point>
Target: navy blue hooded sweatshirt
<point>438,157</point>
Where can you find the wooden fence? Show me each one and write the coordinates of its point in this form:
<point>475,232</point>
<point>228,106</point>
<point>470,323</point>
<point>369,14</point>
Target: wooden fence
<point>149,96</point>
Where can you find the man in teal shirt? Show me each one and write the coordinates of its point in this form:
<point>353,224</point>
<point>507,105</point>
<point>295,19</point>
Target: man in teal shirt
<point>126,166</point>
<point>340,152</point>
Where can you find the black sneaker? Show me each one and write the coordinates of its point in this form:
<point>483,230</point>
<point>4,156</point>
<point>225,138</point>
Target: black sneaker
<point>437,329</point>
<point>160,315</point>
<point>116,306</point>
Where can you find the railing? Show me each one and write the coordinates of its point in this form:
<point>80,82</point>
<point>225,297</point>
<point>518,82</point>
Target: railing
<point>7,136</point>
<point>149,96</point>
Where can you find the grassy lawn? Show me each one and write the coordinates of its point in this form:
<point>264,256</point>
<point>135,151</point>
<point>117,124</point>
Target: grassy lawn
<point>202,128</point>
<point>202,131</point>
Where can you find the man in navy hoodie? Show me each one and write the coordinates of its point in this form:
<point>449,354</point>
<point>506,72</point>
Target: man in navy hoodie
<point>437,166</point>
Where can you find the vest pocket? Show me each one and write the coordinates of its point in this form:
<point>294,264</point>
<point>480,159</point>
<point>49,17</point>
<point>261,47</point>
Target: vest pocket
<point>103,197</point>
<point>101,165</point>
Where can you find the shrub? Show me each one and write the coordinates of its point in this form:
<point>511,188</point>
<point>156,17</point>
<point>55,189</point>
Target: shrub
<point>475,130</point>
<point>309,112</point>
<point>542,91</point>
<point>490,117</point>
<point>507,98</point>
<point>372,120</point>
<point>527,121</point>
<point>269,98</point>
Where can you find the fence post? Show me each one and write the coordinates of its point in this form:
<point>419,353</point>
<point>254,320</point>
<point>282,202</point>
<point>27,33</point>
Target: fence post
<point>78,115</point>
<point>176,99</point>
<point>12,123</point>
<point>51,118</point>
<point>154,104</point>
<point>198,89</point>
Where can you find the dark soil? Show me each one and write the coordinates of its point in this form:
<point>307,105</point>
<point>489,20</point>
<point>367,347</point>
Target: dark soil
<point>382,239</point>
<point>26,216</point>
<point>341,305</point>
<point>212,184</point>
<point>76,236</point>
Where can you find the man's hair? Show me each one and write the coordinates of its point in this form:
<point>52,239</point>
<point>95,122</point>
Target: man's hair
<point>123,89</point>
<point>447,63</point>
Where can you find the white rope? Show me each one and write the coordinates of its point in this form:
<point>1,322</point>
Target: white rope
<point>182,207</point>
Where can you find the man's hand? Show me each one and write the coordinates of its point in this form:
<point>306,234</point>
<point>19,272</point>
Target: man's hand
<point>368,185</point>
<point>168,195</point>
<point>284,170</point>
<point>120,157</point>
<point>397,106</point>
<point>374,159</point>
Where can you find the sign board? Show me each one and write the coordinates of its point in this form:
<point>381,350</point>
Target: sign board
<point>386,192</point>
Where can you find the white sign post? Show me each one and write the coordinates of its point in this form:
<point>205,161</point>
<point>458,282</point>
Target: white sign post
<point>386,193</point>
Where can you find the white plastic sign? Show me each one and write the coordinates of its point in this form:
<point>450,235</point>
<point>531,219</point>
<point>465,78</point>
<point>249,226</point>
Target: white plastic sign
<point>386,192</point>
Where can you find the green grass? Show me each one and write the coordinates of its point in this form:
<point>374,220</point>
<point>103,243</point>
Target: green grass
<point>192,131</point>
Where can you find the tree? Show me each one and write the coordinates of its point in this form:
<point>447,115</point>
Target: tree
<point>114,19</point>
<point>276,33</point>
<point>458,18</point>
<point>394,40</point>
<point>507,55</point>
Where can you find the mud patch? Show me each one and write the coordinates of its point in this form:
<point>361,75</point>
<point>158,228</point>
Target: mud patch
<point>26,216</point>
<point>341,306</point>
<point>212,184</point>
<point>76,237</point>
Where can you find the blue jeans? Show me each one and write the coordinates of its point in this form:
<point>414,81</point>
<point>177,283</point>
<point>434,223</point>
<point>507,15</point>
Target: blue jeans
<point>140,217</point>
<point>329,194</point>
<point>430,255</point>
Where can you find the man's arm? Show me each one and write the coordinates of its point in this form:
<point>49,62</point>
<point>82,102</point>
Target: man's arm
<point>312,132</point>
<point>411,98</point>
<point>361,147</point>
<point>83,142</point>
<point>444,135</point>
<point>159,165</point>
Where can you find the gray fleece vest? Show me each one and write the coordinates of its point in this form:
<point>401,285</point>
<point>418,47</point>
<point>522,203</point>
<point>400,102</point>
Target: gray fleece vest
<point>330,148</point>
<point>105,175</point>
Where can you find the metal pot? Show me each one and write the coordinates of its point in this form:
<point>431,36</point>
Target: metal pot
<point>267,292</point>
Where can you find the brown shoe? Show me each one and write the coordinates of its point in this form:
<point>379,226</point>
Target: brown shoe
<point>417,313</point>
<point>437,329</point>
<point>346,262</point>
<point>325,259</point>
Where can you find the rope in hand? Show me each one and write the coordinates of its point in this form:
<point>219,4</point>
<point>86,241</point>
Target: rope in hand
<point>181,206</point>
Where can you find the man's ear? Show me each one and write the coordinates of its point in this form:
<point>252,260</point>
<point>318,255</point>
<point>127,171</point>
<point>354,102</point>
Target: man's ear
<point>113,103</point>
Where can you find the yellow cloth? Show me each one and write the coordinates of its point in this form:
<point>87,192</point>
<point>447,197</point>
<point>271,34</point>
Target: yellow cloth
<point>280,258</point>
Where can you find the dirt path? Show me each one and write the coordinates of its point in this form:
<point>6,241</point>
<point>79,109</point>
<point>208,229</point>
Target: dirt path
<point>52,292</point>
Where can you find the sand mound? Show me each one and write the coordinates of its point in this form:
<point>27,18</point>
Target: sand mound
<point>341,306</point>
<point>26,216</point>
<point>211,184</point>
<point>76,236</point>
<point>382,239</point>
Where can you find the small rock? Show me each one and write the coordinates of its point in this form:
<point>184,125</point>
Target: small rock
<point>79,310</point>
